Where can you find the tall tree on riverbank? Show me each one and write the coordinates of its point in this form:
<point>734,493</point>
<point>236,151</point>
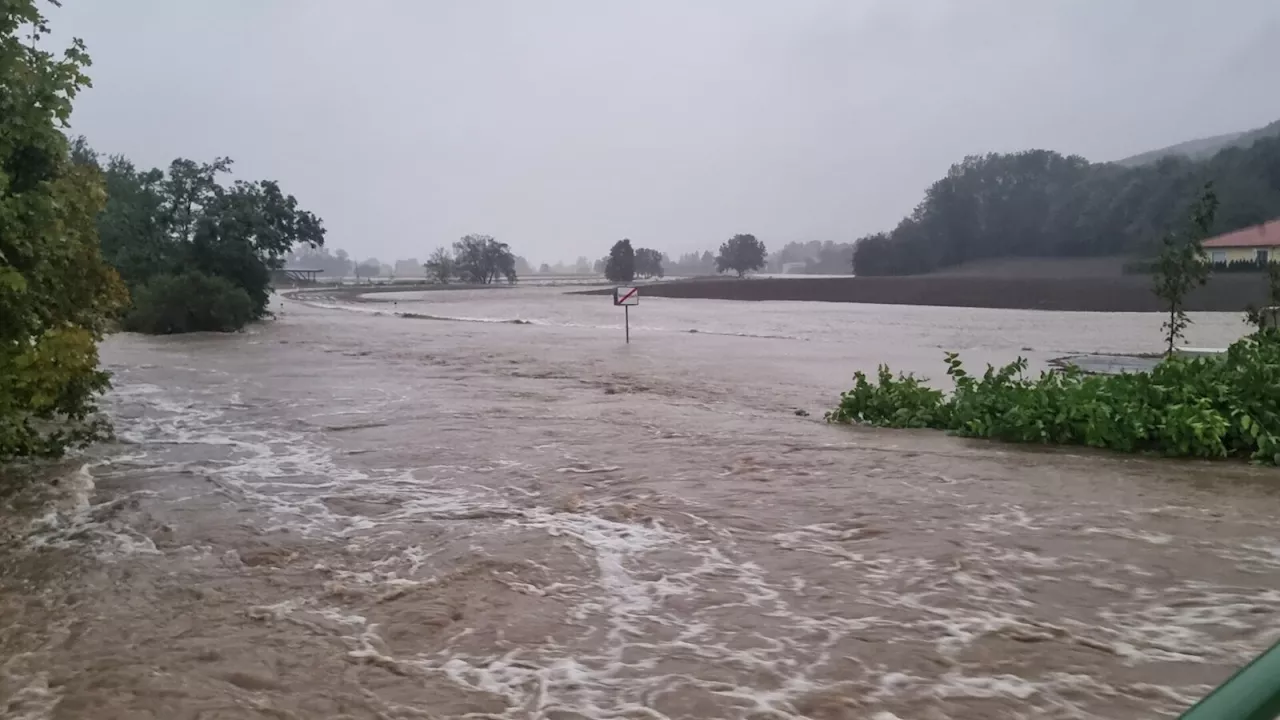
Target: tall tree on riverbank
<point>1182,265</point>
<point>741,254</point>
<point>620,266</point>
<point>56,292</point>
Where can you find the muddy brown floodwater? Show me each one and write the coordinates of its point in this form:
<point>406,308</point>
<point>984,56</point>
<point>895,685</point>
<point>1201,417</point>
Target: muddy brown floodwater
<point>343,514</point>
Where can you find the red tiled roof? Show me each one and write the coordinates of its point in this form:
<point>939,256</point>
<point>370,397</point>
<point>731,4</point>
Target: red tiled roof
<point>1265,235</point>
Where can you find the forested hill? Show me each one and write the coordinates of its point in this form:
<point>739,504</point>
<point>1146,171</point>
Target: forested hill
<point>1039,203</point>
<point>1204,148</point>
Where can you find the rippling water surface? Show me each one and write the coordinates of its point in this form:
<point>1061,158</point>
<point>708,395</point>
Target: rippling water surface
<point>349,514</point>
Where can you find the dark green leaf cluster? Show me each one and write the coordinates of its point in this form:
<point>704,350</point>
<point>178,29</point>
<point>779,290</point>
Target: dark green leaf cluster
<point>57,295</point>
<point>620,265</point>
<point>1206,407</point>
<point>742,253</point>
<point>189,302</point>
<point>163,226</point>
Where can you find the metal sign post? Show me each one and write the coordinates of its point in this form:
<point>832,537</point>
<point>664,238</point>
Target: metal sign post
<point>626,297</point>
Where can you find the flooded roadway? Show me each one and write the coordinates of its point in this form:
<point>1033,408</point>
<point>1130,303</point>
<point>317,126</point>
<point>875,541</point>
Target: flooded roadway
<point>344,514</point>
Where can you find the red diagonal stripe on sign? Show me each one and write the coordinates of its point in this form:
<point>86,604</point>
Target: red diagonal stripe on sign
<point>624,297</point>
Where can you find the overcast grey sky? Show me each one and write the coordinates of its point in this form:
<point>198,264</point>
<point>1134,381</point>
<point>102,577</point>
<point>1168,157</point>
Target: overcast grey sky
<point>560,126</point>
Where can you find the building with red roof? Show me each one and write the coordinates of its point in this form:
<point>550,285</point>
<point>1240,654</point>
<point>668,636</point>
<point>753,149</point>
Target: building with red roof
<point>1259,243</point>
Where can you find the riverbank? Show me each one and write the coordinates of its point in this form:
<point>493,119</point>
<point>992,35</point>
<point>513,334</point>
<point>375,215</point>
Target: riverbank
<point>1130,293</point>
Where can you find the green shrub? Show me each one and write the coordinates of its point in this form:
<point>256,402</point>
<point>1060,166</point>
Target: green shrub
<point>1208,407</point>
<point>189,302</point>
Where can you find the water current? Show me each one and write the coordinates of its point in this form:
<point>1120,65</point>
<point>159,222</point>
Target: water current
<point>346,513</point>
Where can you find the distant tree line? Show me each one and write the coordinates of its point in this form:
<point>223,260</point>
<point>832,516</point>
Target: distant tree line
<point>1039,203</point>
<point>740,254</point>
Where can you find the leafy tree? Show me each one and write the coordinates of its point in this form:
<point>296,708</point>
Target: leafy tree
<point>620,266</point>
<point>188,190</point>
<point>1181,266</point>
<point>648,263</point>
<point>244,232</point>
<point>439,266</point>
<point>741,254</point>
<point>482,260</point>
<point>180,221</point>
<point>133,236</point>
<point>56,293</point>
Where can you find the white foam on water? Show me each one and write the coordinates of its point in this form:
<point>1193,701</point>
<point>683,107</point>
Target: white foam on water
<point>72,521</point>
<point>681,588</point>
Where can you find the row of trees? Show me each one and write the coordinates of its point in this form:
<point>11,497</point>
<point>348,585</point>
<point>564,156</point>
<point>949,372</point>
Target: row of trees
<point>740,254</point>
<point>340,265</point>
<point>1041,203</point>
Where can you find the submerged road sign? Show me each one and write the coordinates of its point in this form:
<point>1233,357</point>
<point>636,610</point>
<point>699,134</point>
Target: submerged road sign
<point>626,297</point>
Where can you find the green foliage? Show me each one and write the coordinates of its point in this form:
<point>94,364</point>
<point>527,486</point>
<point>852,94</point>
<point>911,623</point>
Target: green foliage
<point>620,266</point>
<point>56,293</point>
<point>1207,407</point>
<point>1041,204</point>
<point>741,254</point>
<point>1181,265</point>
<point>901,401</point>
<point>183,220</point>
<point>482,260</point>
<point>190,302</point>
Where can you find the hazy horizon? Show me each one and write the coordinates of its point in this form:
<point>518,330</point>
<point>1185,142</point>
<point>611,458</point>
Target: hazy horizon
<point>564,125</point>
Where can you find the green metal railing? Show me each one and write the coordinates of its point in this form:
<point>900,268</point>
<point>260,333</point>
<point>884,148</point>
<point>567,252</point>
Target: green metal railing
<point>1252,693</point>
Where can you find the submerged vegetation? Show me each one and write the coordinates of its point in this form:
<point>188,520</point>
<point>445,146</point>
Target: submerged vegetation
<point>1206,407</point>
